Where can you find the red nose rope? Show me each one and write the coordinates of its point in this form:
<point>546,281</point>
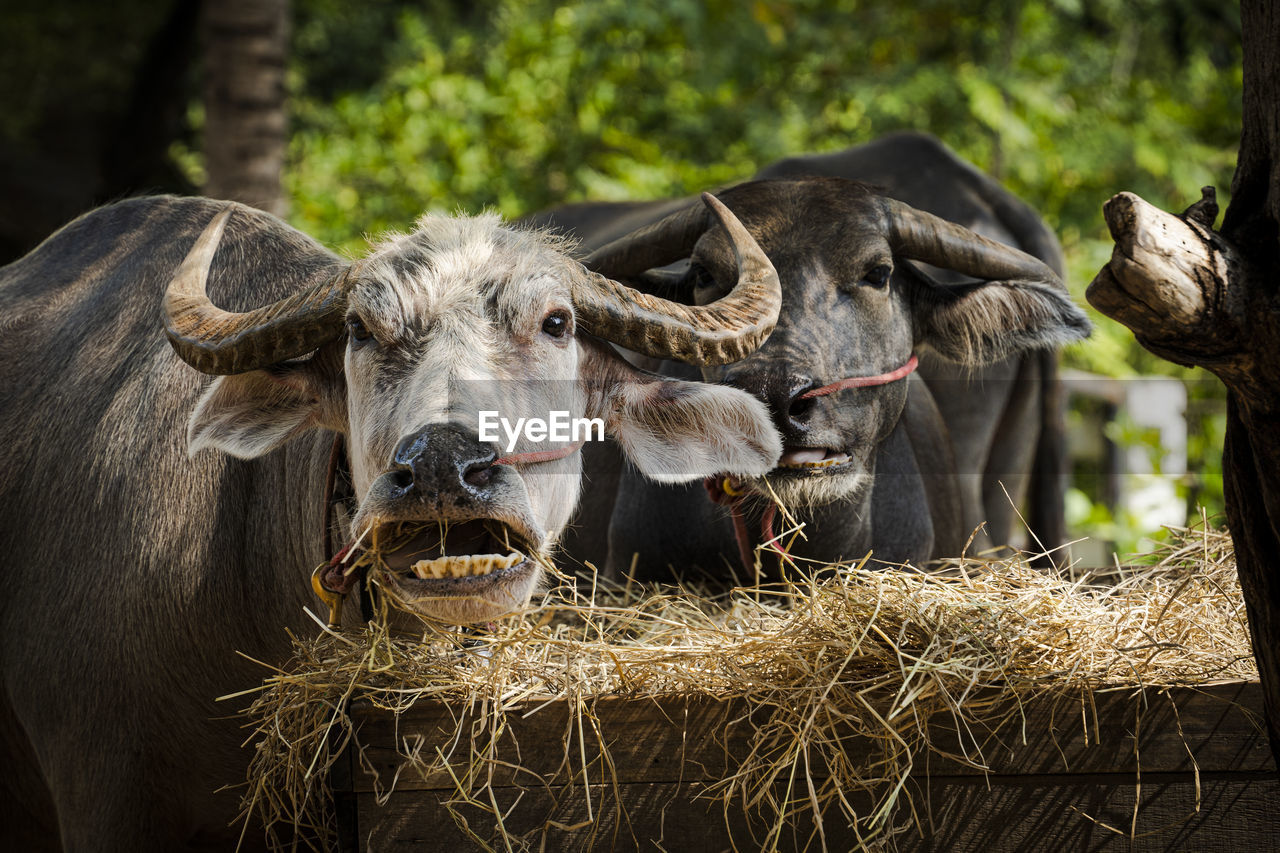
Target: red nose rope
<point>337,490</point>
<point>863,381</point>
<point>538,455</point>
<point>331,580</point>
<point>727,491</point>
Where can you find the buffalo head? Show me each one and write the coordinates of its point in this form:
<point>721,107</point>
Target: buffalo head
<point>863,294</point>
<point>402,351</point>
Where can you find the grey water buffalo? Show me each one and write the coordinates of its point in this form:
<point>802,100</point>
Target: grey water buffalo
<point>877,278</point>
<point>136,565</point>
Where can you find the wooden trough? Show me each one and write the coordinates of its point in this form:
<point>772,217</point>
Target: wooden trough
<point>1122,769</point>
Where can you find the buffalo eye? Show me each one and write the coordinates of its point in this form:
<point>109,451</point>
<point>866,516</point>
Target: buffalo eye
<point>878,276</point>
<point>358,331</point>
<point>702,277</point>
<point>556,324</point>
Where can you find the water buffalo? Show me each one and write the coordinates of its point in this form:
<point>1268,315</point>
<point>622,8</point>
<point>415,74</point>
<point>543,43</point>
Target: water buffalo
<point>868,283</point>
<point>136,566</point>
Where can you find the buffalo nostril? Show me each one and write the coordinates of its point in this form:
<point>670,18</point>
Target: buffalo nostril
<point>479,473</point>
<point>800,407</point>
<point>401,479</point>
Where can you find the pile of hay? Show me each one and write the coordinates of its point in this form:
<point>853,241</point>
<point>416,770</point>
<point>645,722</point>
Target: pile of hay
<point>874,651</point>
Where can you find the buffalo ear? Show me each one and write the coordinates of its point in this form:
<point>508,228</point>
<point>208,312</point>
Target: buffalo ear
<point>983,322</point>
<point>675,431</point>
<point>250,414</point>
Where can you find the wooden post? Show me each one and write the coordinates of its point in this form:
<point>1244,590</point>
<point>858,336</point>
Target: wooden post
<point>1200,297</point>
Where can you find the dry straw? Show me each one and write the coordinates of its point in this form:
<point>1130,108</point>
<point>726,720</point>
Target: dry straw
<point>863,650</point>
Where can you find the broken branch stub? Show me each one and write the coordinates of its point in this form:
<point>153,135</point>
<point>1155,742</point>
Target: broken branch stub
<point>1176,283</point>
<point>1194,297</point>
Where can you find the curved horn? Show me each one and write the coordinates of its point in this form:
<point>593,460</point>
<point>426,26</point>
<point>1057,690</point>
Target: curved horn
<point>223,342</point>
<point>924,237</point>
<point>727,330</point>
<point>657,244</point>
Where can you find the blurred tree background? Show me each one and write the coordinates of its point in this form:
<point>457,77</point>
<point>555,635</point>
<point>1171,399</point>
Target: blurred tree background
<point>398,107</point>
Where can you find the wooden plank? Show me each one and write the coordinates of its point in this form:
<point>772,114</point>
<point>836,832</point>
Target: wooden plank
<point>1233,815</point>
<point>674,815</point>
<point>676,739</point>
<point>1123,731</point>
<point>648,740</point>
<point>345,802</point>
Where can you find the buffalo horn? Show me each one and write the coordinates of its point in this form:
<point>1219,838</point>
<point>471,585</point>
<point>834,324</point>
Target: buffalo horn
<point>724,331</point>
<point>656,244</point>
<point>223,342</point>
<point>924,237</point>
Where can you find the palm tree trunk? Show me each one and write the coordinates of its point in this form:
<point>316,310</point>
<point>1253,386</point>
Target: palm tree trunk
<point>245,44</point>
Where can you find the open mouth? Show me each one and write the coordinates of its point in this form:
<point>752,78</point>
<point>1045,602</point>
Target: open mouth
<point>805,460</point>
<point>444,553</point>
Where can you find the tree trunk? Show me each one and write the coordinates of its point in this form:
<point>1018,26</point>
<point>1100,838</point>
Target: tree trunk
<point>245,43</point>
<point>1206,298</point>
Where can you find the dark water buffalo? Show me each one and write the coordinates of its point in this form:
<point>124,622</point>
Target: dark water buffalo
<point>908,467</point>
<point>135,566</point>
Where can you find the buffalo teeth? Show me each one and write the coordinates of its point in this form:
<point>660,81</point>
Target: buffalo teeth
<point>465,566</point>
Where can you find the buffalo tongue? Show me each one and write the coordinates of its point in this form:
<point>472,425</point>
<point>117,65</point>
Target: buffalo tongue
<point>434,540</point>
<point>811,457</point>
<point>802,455</point>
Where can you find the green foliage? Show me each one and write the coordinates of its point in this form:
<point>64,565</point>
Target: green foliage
<point>74,56</point>
<point>521,104</point>
<point>527,104</point>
